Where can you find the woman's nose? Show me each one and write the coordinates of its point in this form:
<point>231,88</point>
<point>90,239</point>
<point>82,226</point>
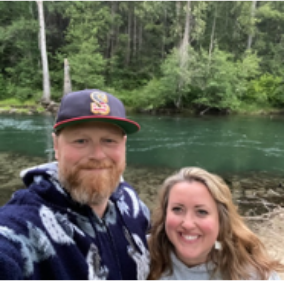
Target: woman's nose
<point>188,222</point>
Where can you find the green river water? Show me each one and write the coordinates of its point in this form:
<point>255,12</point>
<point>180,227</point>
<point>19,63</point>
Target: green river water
<point>247,151</point>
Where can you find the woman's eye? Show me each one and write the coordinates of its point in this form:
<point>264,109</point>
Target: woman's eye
<point>176,209</point>
<point>202,212</point>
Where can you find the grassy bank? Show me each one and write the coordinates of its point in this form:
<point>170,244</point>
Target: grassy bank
<point>16,106</point>
<point>21,107</point>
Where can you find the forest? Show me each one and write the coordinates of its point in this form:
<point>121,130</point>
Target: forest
<point>195,56</point>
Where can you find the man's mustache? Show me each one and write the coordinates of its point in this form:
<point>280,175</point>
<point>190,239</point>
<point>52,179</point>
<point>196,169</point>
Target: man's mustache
<point>95,164</point>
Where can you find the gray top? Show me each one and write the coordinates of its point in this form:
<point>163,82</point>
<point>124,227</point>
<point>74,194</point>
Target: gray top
<point>198,272</point>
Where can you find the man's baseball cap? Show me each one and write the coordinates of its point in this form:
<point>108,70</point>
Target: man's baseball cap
<point>93,105</point>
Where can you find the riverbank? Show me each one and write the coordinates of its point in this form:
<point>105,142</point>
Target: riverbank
<point>256,195</point>
<point>31,107</point>
<point>269,228</point>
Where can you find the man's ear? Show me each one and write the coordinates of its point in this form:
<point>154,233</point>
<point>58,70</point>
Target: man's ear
<point>55,145</point>
<point>125,139</point>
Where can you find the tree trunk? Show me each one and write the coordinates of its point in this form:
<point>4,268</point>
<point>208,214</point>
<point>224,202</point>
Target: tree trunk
<point>165,34</point>
<point>134,35</point>
<point>253,8</point>
<point>140,39</point>
<point>128,50</point>
<point>183,53</point>
<point>178,24</point>
<point>67,81</point>
<point>178,9</point>
<point>31,10</point>
<point>186,34</point>
<point>112,38</point>
<point>212,34</point>
<point>44,60</point>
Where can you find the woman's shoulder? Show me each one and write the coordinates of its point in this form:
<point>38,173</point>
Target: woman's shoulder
<point>274,276</point>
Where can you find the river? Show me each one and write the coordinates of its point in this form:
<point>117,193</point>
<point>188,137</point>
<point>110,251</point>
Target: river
<point>246,150</point>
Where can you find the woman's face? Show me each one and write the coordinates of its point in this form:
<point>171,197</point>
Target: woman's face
<point>192,222</point>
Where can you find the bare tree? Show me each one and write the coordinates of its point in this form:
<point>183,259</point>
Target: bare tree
<point>252,13</point>
<point>67,81</point>
<point>186,34</point>
<point>44,60</point>
<point>129,32</point>
<point>183,52</point>
<point>134,33</point>
<point>212,34</point>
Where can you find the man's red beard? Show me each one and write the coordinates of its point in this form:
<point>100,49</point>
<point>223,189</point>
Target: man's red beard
<point>90,188</point>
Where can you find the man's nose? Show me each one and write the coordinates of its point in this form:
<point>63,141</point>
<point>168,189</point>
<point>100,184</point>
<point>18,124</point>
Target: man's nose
<point>97,152</point>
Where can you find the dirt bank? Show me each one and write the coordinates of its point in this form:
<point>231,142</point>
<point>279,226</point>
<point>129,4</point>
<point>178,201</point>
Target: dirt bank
<point>270,228</point>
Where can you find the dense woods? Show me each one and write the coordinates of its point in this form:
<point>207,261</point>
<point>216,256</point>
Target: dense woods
<point>194,55</point>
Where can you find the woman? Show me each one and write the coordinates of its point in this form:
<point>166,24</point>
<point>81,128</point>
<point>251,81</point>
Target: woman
<point>197,233</point>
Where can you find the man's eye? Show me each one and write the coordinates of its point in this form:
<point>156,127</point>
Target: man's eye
<point>109,140</point>
<point>81,141</point>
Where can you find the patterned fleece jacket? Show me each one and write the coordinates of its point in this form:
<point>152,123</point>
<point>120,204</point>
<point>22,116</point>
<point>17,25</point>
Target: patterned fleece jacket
<point>44,234</point>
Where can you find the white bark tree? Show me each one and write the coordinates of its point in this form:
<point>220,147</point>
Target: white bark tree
<point>67,80</point>
<point>44,60</point>
<point>252,13</point>
<point>183,53</point>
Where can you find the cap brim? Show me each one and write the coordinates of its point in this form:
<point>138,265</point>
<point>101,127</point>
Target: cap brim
<point>127,125</point>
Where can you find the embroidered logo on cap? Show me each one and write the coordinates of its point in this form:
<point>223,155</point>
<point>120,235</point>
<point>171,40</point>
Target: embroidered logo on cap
<point>100,104</point>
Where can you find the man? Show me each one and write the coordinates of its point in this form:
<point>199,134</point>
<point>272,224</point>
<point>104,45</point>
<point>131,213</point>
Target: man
<point>78,219</point>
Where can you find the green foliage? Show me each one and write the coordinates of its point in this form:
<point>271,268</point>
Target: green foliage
<point>198,11</point>
<point>218,91</point>
<point>176,79</point>
<point>19,50</point>
<point>267,89</point>
<point>262,90</point>
<point>17,102</point>
<point>134,50</point>
<point>173,89</point>
<point>56,94</point>
<point>83,49</point>
<point>277,99</point>
<point>20,93</point>
<point>9,102</point>
<point>148,97</point>
<point>86,69</point>
<point>2,87</point>
<point>226,79</point>
<point>269,43</point>
<point>215,81</point>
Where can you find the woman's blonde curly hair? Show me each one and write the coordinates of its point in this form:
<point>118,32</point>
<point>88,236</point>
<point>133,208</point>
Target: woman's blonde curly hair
<point>243,255</point>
